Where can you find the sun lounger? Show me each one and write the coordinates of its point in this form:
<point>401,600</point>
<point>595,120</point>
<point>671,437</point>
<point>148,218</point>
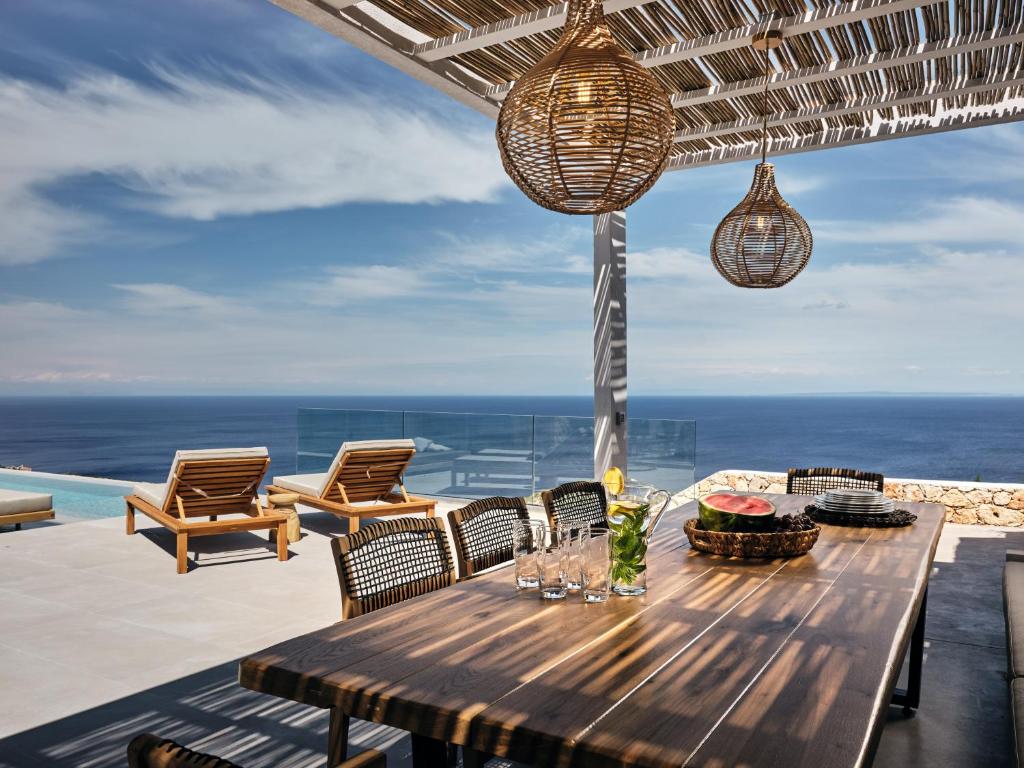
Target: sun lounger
<point>17,507</point>
<point>209,484</point>
<point>360,483</point>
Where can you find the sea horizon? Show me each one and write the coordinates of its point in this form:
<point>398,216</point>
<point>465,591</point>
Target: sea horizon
<point>926,436</point>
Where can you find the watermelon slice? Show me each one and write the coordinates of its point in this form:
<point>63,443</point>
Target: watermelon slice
<point>735,512</point>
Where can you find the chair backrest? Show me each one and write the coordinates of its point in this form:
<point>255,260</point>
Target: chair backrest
<point>576,502</point>
<point>816,480</point>
<point>391,561</point>
<point>369,469</point>
<point>149,751</point>
<point>219,481</point>
<point>483,532</point>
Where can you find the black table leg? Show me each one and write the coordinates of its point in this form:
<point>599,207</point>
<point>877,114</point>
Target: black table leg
<point>428,753</point>
<point>910,698</point>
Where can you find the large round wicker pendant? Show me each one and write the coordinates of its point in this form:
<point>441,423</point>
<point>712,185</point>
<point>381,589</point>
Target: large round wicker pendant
<point>587,130</point>
<point>762,242</point>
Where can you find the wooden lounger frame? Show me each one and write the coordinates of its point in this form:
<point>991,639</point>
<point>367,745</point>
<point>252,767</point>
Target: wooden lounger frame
<point>25,517</point>
<point>367,475</point>
<point>210,488</point>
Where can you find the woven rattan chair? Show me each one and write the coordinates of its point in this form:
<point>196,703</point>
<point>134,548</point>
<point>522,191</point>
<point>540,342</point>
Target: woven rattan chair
<point>817,480</point>
<point>149,751</point>
<point>483,532</point>
<point>391,561</point>
<point>577,502</point>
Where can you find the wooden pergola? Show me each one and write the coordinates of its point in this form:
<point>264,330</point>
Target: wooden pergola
<point>846,73</point>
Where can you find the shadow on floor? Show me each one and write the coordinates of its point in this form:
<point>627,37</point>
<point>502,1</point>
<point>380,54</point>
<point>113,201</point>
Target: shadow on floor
<point>964,718</point>
<point>207,711</point>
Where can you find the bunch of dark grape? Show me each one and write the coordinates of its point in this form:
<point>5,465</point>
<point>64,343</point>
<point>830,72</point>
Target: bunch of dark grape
<point>793,523</point>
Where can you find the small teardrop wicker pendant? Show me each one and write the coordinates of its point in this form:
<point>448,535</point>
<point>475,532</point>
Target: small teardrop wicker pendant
<point>762,242</point>
<point>587,130</point>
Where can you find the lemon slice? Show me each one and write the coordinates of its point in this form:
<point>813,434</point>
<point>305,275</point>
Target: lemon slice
<point>614,482</point>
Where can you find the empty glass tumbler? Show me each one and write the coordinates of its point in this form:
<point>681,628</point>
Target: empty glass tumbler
<point>596,560</point>
<point>571,536</point>
<point>527,537</point>
<point>552,562</point>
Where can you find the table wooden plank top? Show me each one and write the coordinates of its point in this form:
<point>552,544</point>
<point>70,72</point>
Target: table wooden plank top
<point>724,662</point>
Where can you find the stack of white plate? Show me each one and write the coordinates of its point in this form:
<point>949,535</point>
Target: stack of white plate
<point>855,501</point>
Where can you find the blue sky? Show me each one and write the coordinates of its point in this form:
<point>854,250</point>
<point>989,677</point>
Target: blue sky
<point>214,197</point>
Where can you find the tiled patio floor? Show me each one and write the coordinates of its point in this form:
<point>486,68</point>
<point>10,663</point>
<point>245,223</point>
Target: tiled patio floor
<point>102,640</point>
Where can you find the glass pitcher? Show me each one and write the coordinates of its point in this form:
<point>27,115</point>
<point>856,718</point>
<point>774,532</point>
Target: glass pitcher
<point>630,519</point>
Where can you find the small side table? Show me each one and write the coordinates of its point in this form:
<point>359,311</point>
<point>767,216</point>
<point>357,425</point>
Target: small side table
<point>284,503</point>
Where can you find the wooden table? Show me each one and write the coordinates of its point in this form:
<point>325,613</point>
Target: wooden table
<point>723,663</point>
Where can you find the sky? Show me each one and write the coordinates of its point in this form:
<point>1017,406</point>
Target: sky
<point>214,197</point>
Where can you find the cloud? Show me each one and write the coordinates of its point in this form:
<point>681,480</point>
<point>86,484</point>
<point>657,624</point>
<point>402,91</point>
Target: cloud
<point>169,298</point>
<point>193,147</point>
<point>957,220</point>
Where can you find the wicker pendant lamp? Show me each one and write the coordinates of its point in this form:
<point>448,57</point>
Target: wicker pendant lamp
<point>762,242</point>
<point>587,130</point>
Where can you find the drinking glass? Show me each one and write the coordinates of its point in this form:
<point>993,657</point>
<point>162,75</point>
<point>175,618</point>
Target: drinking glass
<point>551,564</point>
<point>596,551</point>
<point>571,536</point>
<point>527,537</point>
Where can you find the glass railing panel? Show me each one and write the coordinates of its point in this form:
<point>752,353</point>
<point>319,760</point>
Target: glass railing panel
<point>321,431</point>
<point>663,453</point>
<point>564,449</point>
<point>470,455</point>
<point>465,455</point>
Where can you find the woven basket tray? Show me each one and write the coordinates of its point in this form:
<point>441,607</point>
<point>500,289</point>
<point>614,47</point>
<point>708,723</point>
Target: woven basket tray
<point>783,544</point>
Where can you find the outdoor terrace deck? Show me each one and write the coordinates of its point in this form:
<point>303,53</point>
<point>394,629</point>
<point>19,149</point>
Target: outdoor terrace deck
<point>102,640</point>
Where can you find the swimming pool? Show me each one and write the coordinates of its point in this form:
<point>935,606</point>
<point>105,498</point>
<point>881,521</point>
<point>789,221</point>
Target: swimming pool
<point>73,496</point>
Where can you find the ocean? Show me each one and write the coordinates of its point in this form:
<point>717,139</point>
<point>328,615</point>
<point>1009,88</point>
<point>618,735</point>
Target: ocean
<point>134,438</point>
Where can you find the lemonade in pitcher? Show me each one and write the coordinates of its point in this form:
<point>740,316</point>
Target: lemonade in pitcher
<point>629,518</point>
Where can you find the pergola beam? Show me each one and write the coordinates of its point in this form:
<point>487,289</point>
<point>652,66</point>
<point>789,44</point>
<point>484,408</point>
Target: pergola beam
<point>930,92</point>
<point>741,37</point>
<point>855,66</point>
<point>881,130</point>
<point>541,20</point>
<point>368,34</point>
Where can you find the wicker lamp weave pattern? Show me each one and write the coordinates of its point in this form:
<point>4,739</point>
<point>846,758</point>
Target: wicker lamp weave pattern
<point>587,130</point>
<point>762,242</point>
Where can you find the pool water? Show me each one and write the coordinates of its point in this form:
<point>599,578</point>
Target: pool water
<point>72,496</point>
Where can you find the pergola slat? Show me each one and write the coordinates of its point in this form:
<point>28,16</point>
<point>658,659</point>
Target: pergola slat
<point>953,120</point>
<point>847,72</point>
<point>930,92</point>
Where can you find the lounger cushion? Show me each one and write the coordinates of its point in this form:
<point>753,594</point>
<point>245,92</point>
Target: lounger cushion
<point>154,493</point>
<point>306,484</point>
<point>19,502</point>
<point>1013,603</point>
<point>360,445</point>
<point>1017,710</point>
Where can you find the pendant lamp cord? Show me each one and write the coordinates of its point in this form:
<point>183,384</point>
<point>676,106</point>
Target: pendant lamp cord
<point>764,108</point>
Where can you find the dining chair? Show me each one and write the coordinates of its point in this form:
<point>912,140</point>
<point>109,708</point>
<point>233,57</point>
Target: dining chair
<point>391,561</point>
<point>580,502</point>
<point>149,751</point>
<point>817,480</point>
<point>482,532</point>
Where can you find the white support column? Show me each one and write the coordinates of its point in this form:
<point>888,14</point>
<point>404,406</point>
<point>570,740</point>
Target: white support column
<point>610,419</point>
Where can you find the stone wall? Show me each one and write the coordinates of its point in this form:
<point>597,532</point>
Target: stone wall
<point>966,502</point>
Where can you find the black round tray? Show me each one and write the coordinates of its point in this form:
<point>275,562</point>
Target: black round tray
<point>897,519</point>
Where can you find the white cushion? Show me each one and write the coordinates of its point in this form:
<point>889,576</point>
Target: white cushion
<point>360,445</point>
<point>18,502</point>
<point>305,484</point>
<point>154,493</point>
